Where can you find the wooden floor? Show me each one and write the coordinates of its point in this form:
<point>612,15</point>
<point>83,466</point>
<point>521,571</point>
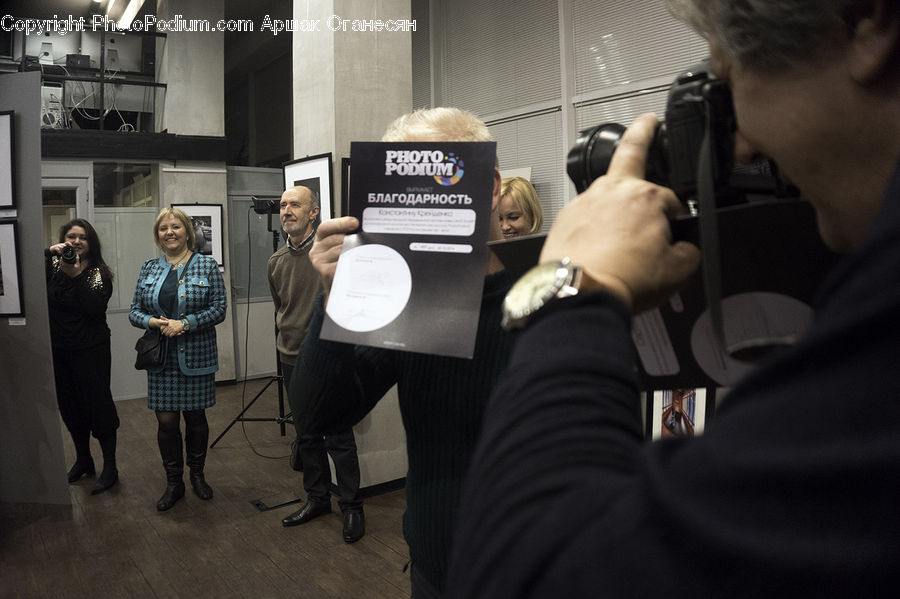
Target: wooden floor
<point>117,545</point>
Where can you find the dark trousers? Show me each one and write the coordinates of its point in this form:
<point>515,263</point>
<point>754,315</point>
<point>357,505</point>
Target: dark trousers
<point>82,392</point>
<point>314,452</point>
<point>421,587</point>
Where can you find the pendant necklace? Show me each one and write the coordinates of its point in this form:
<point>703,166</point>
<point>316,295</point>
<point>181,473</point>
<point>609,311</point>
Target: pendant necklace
<point>181,261</point>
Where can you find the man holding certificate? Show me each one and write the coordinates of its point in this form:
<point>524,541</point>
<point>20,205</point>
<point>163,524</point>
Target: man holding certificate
<point>442,397</point>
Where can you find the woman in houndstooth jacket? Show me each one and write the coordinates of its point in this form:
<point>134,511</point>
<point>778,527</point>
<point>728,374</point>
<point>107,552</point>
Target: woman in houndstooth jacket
<point>183,295</point>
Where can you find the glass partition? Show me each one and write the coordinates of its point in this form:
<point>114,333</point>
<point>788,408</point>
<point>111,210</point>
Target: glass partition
<point>126,200</point>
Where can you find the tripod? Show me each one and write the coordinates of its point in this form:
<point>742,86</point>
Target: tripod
<point>269,207</point>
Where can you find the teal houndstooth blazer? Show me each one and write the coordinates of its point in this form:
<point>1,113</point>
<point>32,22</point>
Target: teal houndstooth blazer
<point>201,300</point>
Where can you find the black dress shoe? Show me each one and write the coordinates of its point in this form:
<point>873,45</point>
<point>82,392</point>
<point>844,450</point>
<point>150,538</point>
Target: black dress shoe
<point>81,468</point>
<point>354,526</point>
<point>107,479</point>
<point>309,511</point>
<point>172,494</point>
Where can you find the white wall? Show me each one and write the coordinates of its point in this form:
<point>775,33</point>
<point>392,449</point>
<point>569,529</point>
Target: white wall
<point>192,65</point>
<point>260,328</point>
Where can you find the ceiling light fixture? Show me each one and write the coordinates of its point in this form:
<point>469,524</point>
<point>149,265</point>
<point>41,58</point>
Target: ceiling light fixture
<point>109,7</point>
<point>130,12</point>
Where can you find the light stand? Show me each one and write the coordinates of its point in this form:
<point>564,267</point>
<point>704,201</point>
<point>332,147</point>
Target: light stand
<point>265,205</point>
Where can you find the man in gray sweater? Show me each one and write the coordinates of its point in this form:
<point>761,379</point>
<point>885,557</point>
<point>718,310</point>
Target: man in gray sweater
<point>294,284</point>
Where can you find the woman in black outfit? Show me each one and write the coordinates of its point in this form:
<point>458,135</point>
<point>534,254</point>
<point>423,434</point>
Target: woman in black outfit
<point>79,285</point>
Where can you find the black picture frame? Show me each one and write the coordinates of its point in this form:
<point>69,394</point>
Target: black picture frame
<point>11,297</point>
<point>208,219</point>
<point>698,406</point>
<point>7,160</point>
<point>314,172</point>
<point>345,186</point>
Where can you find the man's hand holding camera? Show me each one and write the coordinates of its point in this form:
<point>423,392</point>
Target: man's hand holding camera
<point>618,230</point>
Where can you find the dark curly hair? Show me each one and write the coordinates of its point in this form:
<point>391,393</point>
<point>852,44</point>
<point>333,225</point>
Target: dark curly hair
<point>95,253</point>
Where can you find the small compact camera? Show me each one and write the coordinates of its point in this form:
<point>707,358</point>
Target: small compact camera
<point>698,104</point>
<point>68,255</point>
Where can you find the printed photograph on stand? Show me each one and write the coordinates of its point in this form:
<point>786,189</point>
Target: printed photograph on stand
<point>207,220</point>
<point>10,273</point>
<point>7,172</point>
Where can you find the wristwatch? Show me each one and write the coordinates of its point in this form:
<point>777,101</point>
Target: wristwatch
<point>537,288</point>
<point>186,323</point>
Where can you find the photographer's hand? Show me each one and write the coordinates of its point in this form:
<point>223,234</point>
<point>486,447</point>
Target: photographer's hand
<point>618,230</point>
<point>326,248</point>
<point>72,269</point>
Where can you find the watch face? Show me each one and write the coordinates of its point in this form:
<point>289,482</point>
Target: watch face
<point>536,287</point>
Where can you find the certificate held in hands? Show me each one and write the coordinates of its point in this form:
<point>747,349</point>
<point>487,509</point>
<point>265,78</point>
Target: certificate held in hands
<point>412,278</point>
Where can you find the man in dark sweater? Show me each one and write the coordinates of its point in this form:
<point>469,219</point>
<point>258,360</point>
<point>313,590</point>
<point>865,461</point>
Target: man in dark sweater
<point>442,399</point>
<point>793,490</point>
<point>294,285</point>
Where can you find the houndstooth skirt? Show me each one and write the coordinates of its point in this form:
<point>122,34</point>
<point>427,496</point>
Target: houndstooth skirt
<point>171,390</point>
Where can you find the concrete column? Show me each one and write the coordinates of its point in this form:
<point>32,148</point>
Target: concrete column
<point>348,86</point>
<point>191,64</point>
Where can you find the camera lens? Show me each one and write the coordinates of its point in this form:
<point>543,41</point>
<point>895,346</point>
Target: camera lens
<point>589,157</point>
<point>68,255</point>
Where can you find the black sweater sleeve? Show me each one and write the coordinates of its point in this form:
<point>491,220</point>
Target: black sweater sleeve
<point>566,407</point>
<point>790,492</point>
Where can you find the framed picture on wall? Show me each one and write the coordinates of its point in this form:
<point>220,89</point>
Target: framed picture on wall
<point>10,271</point>
<point>208,234</point>
<point>679,412</point>
<point>7,161</point>
<point>313,172</point>
<point>345,185</point>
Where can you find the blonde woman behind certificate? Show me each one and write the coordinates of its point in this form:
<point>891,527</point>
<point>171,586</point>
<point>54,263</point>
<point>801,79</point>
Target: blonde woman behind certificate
<point>520,208</point>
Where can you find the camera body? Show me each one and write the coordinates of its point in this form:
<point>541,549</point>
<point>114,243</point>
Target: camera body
<point>698,105</point>
<point>68,255</point>
<point>266,204</point>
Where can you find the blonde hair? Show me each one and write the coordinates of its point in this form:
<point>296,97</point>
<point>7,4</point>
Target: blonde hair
<point>438,124</point>
<point>182,216</point>
<point>526,198</point>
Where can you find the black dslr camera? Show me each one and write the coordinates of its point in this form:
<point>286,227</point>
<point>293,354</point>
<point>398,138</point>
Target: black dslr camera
<point>698,104</point>
<point>68,255</point>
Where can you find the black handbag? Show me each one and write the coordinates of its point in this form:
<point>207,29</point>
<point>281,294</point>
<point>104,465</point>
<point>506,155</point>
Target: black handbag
<point>151,350</point>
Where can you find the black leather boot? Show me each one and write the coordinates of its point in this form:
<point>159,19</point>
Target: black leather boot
<point>84,463</point>
<point>196,432</point>
<point>83,466</point>
<point>170,450</point>
<point>110,475</point>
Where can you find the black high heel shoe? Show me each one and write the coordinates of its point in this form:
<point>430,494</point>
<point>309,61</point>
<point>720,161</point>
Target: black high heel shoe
<point>82,467</point>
